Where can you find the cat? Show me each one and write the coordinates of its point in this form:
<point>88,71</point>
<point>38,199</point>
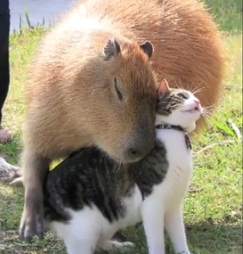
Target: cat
<point>95,195</point>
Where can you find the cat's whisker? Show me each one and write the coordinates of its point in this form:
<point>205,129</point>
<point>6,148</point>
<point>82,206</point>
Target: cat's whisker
<point>206,114</point>
<point>210,107</point>
<point>119,164</point>
<point>206,117</point>
<point>175,84</point>
<point>205,110</point>
<point>194,92</point>
<point>197,89</point>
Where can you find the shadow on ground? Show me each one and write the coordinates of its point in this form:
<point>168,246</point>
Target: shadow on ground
<point>203,237</point>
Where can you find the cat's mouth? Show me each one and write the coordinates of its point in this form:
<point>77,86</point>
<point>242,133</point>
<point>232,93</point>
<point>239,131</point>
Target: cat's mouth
<point>194,106</point>
<point>194,109</point>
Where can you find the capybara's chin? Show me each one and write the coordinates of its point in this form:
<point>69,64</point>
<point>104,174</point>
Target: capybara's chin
<point>131,149</point>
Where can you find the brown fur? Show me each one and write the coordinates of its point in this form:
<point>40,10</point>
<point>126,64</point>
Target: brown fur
<point>71,100</point>
<point>188,49</point>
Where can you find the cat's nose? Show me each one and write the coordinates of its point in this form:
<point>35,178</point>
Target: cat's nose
<point>197,102</point>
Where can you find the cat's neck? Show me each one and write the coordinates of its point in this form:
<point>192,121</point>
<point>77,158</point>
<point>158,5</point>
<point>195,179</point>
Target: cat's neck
<point>165,126</point>
<point>177,131</point>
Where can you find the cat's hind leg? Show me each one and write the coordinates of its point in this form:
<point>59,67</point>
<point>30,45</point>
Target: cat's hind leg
<point>77,242</point>
<point>175,228</point>
<point>78,246</point>
<point>82,232</point>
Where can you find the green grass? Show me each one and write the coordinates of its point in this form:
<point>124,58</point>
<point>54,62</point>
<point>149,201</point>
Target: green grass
<point>213,206</point>
<point>227,13</point>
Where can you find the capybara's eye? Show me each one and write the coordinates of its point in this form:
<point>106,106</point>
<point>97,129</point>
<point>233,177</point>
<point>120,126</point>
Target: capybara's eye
<point>119,94</point>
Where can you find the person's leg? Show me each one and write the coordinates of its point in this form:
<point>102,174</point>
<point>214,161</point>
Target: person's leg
<point>4,77</point>
<point>4,64</point>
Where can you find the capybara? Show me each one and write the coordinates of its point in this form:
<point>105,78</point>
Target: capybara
<point>91,83</point>
<point>86,87</point>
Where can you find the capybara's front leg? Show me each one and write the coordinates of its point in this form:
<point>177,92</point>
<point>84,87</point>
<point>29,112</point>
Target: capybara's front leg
<point>35,168</point>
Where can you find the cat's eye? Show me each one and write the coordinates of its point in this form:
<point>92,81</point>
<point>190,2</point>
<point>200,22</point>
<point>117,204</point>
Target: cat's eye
<point>183,96</point>
<point>119,94</point>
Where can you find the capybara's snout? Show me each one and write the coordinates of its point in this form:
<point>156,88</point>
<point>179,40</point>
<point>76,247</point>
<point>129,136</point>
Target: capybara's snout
<point>132,141</point>
<point>139,149</point>
<point>140,144</point>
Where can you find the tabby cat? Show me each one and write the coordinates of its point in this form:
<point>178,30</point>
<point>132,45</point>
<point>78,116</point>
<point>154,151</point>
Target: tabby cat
<point>95,196</point>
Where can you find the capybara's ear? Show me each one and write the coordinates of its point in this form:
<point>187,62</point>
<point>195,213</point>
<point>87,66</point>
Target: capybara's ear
<point>147,48</point>
<point>163,87</point>
<point>111,49</point>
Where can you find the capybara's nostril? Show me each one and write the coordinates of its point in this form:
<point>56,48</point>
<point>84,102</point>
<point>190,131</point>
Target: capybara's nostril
<point>134,153</point>
<point>141,141</point>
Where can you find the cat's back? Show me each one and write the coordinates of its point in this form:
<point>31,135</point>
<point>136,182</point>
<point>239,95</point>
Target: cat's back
<point>80,180</point>
<point>91,179</point>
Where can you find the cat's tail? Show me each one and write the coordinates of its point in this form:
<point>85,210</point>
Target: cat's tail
<point>10,174</point>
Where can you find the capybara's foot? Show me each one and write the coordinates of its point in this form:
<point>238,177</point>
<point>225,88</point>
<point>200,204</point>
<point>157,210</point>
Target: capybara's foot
<point>32,222</point>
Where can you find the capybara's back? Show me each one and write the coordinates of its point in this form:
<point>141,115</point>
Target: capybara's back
<point>188,50</point>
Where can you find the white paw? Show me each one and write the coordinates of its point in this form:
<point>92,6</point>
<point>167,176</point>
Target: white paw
<point>122,246</point>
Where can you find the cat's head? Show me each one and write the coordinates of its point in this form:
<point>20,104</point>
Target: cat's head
<point>177,107</point>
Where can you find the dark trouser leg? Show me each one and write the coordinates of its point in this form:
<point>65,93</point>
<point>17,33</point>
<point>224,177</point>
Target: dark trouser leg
<point>4,59</point>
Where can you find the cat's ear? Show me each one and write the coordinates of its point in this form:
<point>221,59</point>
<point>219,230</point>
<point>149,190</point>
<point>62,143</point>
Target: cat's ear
<point>163,87</point>
<point>111,49</point>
